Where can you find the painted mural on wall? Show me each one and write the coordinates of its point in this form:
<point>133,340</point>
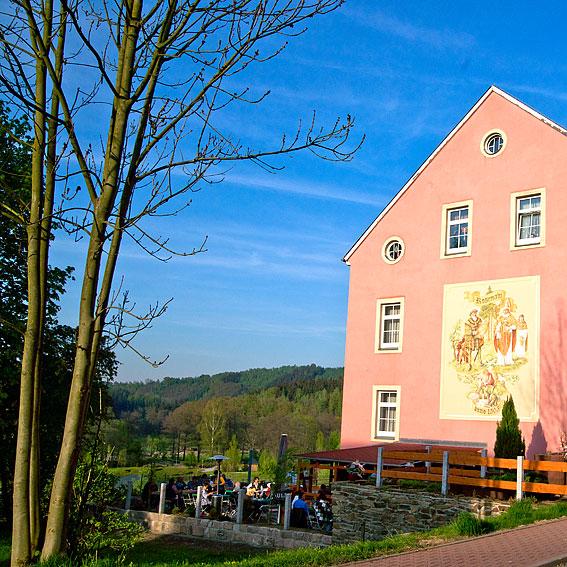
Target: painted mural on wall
<point>490,348</point>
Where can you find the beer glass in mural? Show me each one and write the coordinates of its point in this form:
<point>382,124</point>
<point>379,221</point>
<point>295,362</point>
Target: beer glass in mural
<point>490,348</point>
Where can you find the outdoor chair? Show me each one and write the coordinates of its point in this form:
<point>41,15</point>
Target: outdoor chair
<point>299,518</point>
<point>228,508</point>
<point>190,500</point>
<point>270,512</point>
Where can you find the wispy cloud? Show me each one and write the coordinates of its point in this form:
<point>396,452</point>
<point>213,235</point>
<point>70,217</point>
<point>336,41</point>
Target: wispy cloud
<point>439,39</point>
<point>263,327</point>
<point>308,189</point>
<point>557,94</point>
<point>264,266</point>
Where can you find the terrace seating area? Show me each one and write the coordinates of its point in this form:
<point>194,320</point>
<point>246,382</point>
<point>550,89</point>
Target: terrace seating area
<point>217,497</point>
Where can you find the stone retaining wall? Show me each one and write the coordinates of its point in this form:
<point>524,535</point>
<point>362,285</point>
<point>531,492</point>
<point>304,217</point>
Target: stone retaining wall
<point>229,532</point>
<point>365,512</point>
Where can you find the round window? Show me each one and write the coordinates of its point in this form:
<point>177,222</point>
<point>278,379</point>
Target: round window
<point>493,143</point>
<point>393,250</point>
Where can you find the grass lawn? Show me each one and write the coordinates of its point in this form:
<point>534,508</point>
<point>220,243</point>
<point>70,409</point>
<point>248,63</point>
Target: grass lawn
<point>165,472</point>
<point>171,551</point>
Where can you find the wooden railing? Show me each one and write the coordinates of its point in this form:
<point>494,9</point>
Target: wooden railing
<point>459,468</point>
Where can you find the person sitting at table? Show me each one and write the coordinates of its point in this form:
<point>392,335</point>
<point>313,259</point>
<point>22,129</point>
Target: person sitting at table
<point>180,483</point>
<point>253,489</point>
<point>229,484</point>
<point>171,494</point>
<point>356,470</point>
<point>265,490</point>
<point>324,492</point>
<point>150,495</point>
<point>299,512</point>
<point>324,512</point>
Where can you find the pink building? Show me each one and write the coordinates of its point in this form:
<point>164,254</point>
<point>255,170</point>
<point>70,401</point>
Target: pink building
<point>457,291</point>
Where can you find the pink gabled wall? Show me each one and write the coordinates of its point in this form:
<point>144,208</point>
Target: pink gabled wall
<point>535,156</point>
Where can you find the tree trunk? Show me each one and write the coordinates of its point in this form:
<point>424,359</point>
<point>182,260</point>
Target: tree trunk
<point>21,529</point>
<point>60,500</point>
<point>21,543</point>
<point>45,238</point>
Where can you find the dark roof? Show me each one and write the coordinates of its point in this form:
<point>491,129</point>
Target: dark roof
<point>368,454</point>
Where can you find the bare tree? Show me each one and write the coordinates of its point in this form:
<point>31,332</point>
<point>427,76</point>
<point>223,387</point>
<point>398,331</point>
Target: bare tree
<point>212,426</point>
<point>157,75</point>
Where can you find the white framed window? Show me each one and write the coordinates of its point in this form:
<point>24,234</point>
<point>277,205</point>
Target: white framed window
<point>456,229</point>
<point>393,250</point>
<point>493,143</point>
<point>386,413</point>
<point>389,325</point>
<point>528,224</point>
<point>527,219</point>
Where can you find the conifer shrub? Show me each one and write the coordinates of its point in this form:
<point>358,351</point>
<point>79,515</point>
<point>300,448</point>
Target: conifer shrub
<point>509,441</point>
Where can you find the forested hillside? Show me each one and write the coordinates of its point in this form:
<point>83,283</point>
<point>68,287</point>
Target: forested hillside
<point>247,409</point>
<point>172,392</point>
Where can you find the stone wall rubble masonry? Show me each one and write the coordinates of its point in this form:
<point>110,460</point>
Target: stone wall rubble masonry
<point>227,532</point>
<point>365,512</point>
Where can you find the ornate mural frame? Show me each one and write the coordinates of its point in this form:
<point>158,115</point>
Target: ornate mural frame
<point>490,349</point>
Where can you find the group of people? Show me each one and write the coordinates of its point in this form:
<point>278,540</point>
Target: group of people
<point>257,493</point>
<point>259,489</point>
<point>510,338</point>
<point>177,488</point>
<point>321,507</point>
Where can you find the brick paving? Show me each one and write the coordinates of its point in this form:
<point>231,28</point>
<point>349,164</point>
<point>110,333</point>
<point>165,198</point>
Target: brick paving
<point>529,546</point>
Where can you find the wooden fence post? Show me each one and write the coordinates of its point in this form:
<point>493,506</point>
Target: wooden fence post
<point>240,505</point>
<point>519,477</point>
<point>379,465</point>
<point>287,511</point>
<point>428,463</point>
<point>483,453</point>
<point>199,503</point>
<point>161,508</point>
<point>445,477</point>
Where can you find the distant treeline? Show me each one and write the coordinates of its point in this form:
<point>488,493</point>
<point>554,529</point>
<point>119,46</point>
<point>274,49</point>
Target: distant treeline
<point>250,408</point>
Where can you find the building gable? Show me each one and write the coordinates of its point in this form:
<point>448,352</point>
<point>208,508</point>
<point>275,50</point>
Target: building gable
<point>492,91</point>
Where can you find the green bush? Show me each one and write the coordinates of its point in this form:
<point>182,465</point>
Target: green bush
<point>111,533</point>
<point>468,525</point>
<point>509,441</point>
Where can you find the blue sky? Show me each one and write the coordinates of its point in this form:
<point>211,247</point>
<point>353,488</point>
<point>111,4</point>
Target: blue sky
<point>272,289</point>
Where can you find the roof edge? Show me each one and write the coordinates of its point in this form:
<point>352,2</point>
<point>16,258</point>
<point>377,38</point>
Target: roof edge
<point>448,137</point>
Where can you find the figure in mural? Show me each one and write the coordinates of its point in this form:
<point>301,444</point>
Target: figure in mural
<point>521,337</point>
<point>505,337</point>
<point>487,389</point>
<point>473,339</point>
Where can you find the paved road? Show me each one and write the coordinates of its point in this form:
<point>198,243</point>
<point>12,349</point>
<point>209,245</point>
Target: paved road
<point>529,546</point>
